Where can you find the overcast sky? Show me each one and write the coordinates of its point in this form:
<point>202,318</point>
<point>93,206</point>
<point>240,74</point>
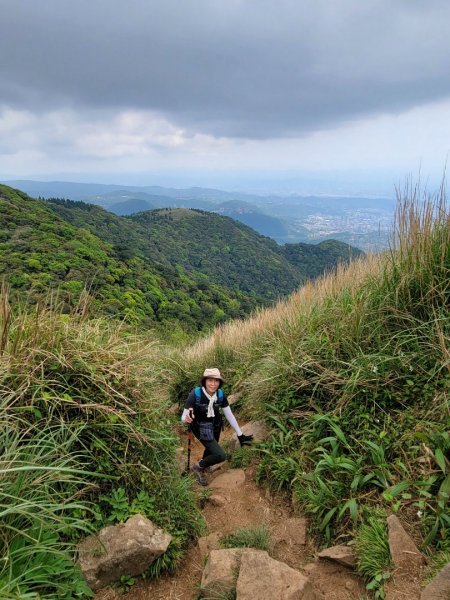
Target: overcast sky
<point>345,95</point>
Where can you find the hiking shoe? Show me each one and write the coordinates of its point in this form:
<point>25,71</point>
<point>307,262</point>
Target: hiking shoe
<point>200,474</point>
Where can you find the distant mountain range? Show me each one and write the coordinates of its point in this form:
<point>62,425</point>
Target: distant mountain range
<point>171,265</point>
<point>362,222</point>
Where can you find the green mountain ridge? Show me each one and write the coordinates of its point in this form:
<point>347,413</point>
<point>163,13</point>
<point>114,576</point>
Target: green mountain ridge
<point>168,265</point>
<point>289,218</point>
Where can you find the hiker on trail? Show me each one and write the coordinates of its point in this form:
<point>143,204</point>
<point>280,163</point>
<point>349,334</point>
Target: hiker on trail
<point>201,412</point>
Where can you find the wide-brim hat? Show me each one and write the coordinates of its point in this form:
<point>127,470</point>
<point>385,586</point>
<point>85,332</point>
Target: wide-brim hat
<point>213,373</point>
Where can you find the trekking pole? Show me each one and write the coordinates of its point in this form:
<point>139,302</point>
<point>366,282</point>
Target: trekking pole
<point>189,444</point>
<point>189,449</point>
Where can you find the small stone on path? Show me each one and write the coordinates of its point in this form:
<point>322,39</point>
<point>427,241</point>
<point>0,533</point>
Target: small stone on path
<point>343,555</point>
<point>208,543</point>
<point>217,500</point>
<point>220,572</point>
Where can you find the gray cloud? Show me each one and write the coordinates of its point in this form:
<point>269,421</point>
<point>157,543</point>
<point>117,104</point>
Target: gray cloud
<point>236,68</point>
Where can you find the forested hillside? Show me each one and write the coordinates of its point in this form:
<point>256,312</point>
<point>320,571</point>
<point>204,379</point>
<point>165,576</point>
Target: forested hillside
<point>40,251</point>
<point>228,252</point>
<point>315,260</point>
<point>197,242</point>
<point>181,266</point>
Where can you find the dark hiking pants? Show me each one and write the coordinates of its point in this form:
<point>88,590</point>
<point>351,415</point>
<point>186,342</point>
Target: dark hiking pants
<point>213,453</point>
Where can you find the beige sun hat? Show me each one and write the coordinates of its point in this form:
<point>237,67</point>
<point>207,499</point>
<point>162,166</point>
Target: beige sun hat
<point>213,373</point>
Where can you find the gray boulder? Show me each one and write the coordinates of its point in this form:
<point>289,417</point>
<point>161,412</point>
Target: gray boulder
<point>254,574</point>
<point>439,587</point>
<point>208,543</point>
<point>125,549</point>
<point>233,398</point>
<point>407,561</point>
<point>257,429</point>
<point>261,576</point>
<point>404,553</point>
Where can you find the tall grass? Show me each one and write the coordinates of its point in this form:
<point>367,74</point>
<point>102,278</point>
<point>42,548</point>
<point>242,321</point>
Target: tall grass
<point>352,375</point>
<point>77,430</point>
<point>41,479</point>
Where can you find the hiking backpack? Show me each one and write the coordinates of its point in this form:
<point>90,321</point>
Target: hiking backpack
<point>198,395</point>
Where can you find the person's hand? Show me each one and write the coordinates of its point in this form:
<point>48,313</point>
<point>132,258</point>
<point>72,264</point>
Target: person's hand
<point>190,416</point>
<point>245,439</point>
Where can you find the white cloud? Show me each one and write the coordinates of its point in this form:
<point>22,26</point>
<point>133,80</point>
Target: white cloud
<point>67,140</point>
<point>144,141</point>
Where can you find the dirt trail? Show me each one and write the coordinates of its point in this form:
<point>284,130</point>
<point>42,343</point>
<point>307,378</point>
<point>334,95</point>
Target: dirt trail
<point>236,501</point>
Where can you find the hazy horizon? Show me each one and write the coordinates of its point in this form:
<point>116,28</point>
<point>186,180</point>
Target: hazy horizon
<point>264,185</point>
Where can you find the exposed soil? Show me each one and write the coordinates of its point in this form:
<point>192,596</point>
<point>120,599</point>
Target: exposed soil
<point>236,502</point>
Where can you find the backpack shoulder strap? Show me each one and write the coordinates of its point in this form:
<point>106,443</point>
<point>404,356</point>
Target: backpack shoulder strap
<point>198,394</point>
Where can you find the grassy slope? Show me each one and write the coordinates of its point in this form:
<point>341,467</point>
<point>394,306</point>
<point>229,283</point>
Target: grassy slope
<point>352,376</point>
<point>82,447</point>
<point>320,258</point>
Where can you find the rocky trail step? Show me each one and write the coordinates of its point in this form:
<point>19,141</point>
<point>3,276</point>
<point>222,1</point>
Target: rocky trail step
<point>294,569</point>
<point>234,502</point>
